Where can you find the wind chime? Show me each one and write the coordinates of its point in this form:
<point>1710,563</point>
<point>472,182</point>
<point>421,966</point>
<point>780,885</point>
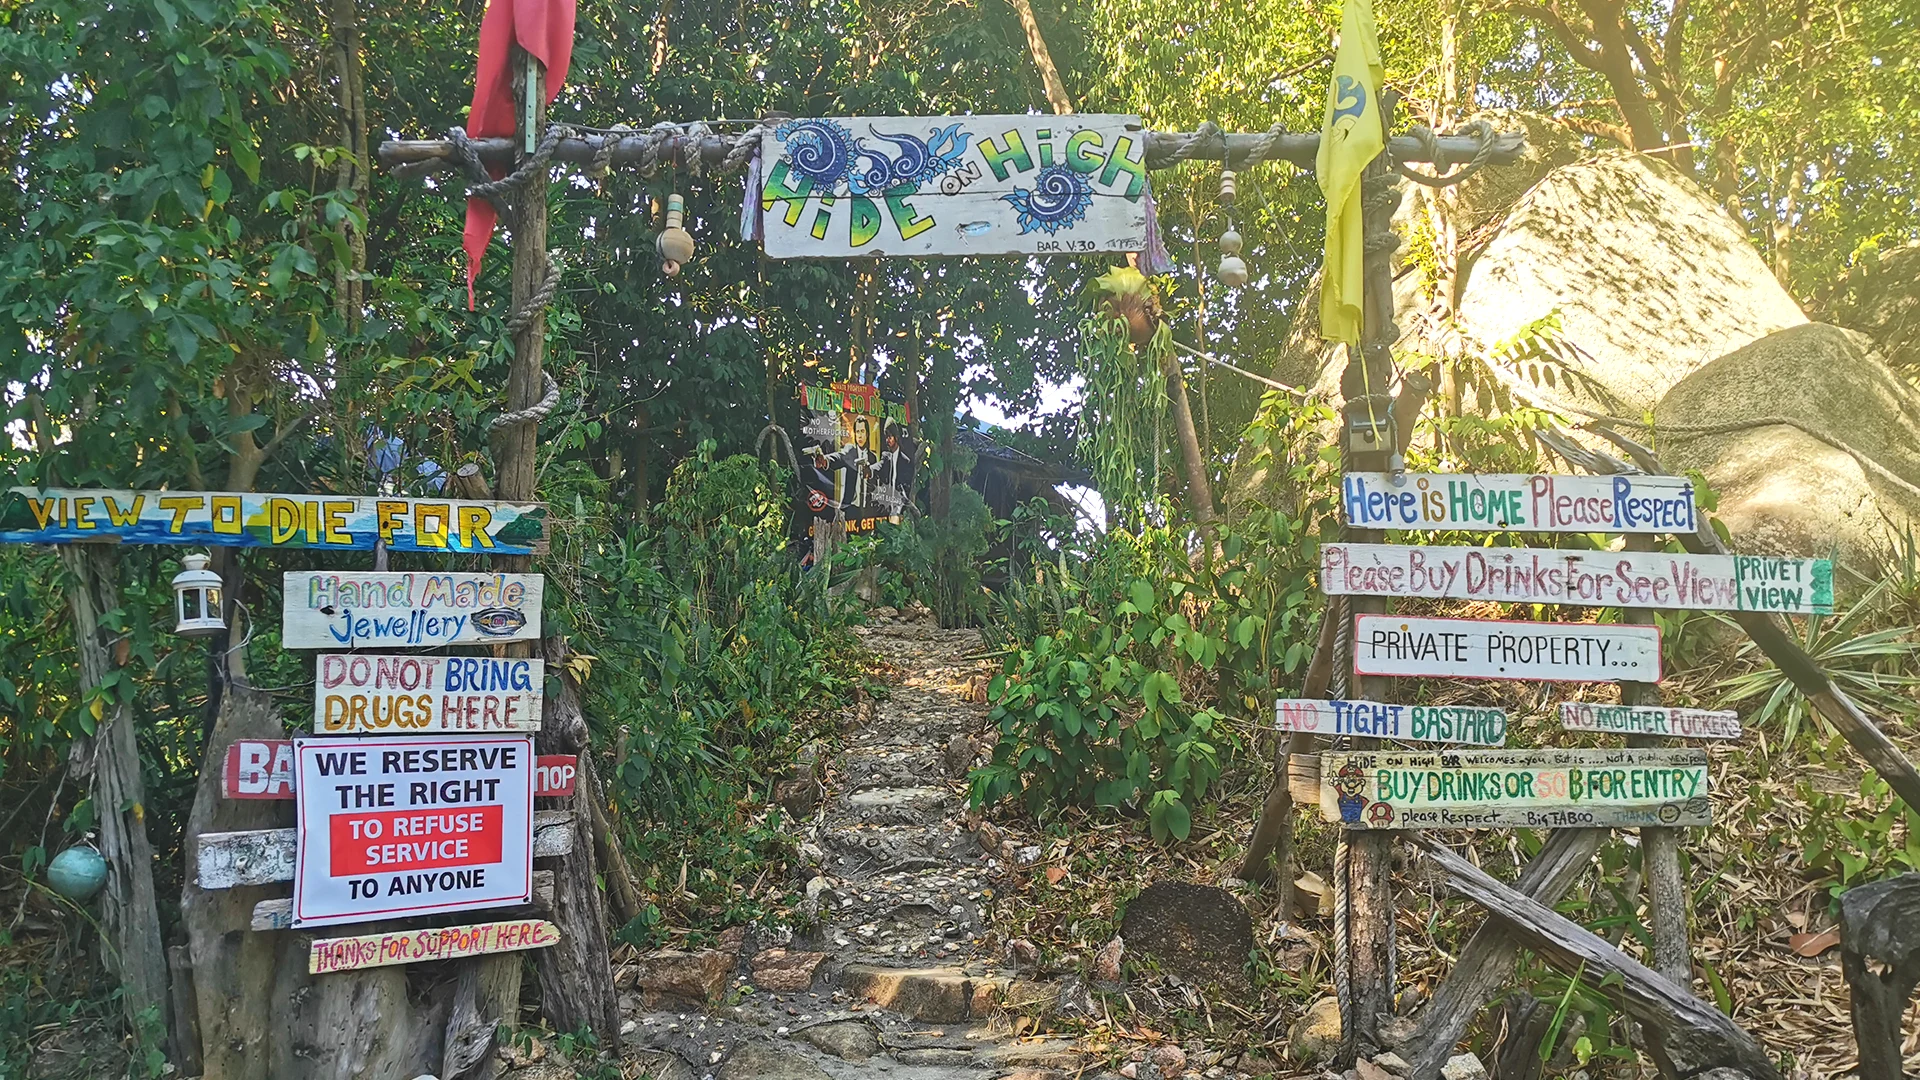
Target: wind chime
<point>675,243</point>
<point>1232,270</point>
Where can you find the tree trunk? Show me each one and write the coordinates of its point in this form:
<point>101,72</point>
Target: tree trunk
<point>233,967</point>
<point>355,167</point>
<point>110,761</point>
<point>1043,59</point>
<point>1199,491</point>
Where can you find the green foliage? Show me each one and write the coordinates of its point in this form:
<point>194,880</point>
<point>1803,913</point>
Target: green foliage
<point>1857,847</point>
<point>714,650</point>
<point>955,547</point>
<point>1124,425</point>
<point>1132,674</point>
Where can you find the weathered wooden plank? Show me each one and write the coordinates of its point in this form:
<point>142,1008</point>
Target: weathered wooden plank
<point>366,693</point>
<point>258,519</point>
<point>1499,649</point>
<point>1513,502</point>
<point>1649,720</point>
<point>1686,1036</point>
<point>263,856</point>
<point>263,769</point>
<point>327,955</point>
<point>1416,723</point>
<point>953,185</point>
<point>277,914</point>
<point>1493,789</point>
<point>328,609</point>
<point>1880,954</point>
<point>1580,578</point>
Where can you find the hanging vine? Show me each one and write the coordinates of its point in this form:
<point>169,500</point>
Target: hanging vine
<point>1122,426</point>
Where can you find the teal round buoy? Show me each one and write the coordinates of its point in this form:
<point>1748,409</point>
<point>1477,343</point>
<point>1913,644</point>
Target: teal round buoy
<point>78,873</point>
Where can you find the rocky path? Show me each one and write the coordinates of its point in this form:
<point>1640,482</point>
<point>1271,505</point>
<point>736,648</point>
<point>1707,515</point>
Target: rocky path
<point>891,970</point>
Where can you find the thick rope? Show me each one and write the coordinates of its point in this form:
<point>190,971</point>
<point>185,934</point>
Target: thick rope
<point>532,414</point>
<point>482,185</point>
<point>1483,134</point>
<point>541,297</point>
<point>786,443</point>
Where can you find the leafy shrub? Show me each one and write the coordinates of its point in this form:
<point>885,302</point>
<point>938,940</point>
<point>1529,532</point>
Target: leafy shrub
<point>1110,657</point>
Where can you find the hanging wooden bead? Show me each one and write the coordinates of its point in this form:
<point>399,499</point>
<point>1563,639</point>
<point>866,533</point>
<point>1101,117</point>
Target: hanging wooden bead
<point>1232,270</point>
<point>674,243</point>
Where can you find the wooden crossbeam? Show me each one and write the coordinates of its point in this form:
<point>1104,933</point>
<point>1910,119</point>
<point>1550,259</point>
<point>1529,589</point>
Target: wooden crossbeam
<point>229,860</point>
<point>1686,1036</point>
<point>1164,149</point>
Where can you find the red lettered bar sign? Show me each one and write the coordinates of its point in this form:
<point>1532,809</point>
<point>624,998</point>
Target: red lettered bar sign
<point>263,769</point>
<point>440,943</point>
<point>391,827</point>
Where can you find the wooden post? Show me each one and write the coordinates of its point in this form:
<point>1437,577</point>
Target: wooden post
<point>1371,447</point>
<point>1880,953</point>
<point>1273,830</point>
<point>1660,848</point>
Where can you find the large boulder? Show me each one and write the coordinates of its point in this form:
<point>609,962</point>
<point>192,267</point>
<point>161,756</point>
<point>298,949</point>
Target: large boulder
<point>1822,454</point>
<point>1646,276</point>
<point>1881,299</point>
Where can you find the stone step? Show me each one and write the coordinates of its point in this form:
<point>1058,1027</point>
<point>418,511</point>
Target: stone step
<point>861,849</point>
<point>895,806</point>
<point>944,994</point>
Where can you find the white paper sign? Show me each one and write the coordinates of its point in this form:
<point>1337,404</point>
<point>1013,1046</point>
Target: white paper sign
<point>1588,578</point>
<point>870,186</point>
<point>369,693</point>
<point>410,826</point>
<point>350,609</point>
<point>1649,720</point>
<point>1498,649</point>
<point>1518,502</point>
<point>1417,723</point>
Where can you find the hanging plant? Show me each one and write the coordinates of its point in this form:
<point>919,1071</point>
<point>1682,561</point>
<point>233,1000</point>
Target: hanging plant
<point>1126,294</point>
<point>1122,423</point>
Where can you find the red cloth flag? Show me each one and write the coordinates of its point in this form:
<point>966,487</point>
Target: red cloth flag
<point>544,28</point>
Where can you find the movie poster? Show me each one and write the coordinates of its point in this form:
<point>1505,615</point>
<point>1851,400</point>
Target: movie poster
<point>857,458</point>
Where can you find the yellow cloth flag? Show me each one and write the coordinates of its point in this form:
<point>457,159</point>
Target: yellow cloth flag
<point>1349,139</point>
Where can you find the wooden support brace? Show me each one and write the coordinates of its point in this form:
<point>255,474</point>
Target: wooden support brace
<point>1685,1036</point>
<point>1880,954</point>
<point>229,860</point>
<point>1488,960</point>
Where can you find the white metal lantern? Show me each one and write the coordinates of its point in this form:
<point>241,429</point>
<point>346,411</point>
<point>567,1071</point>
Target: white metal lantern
<point>196,599</point>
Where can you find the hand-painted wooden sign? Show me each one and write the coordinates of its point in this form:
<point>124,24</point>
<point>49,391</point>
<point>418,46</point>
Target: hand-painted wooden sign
<point>1590,578</point>
<point>410,826</point>
<point>1417,723</point>
<point>366,693</point>
<point>436,943</point>
<point>1498,789</point>
<point>263,769</point>
<point>249,519</point>
<point>1649,720</point>
<point>1540,502</point>
<point>1498,649</point>
<point>953,185</point>
<point>345,609</point>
